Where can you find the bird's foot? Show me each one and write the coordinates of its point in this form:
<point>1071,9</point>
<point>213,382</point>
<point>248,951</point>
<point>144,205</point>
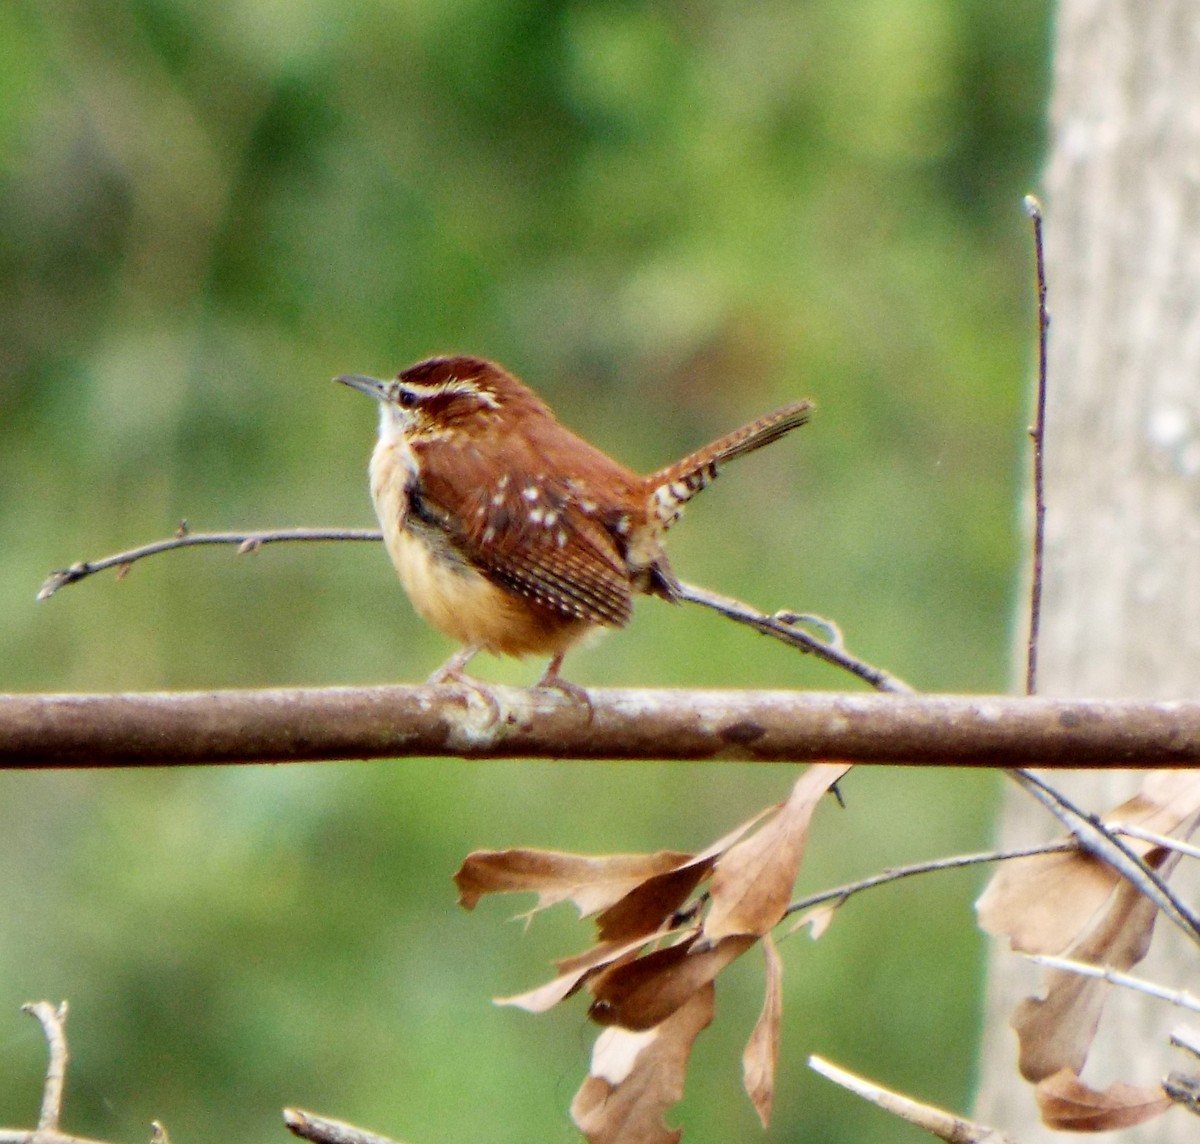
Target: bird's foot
<point>452,671</point>
<point>551,680</point>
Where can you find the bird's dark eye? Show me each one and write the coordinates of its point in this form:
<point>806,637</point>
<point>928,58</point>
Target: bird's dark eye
<point>406,398</point>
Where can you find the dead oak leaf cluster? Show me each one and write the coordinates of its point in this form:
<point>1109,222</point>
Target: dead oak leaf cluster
<point>1073,905</point>
<point>636,1077</point>
<point>662,941</point>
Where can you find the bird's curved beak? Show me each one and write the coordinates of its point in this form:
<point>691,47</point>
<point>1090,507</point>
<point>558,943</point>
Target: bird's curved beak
<point>371,386</point>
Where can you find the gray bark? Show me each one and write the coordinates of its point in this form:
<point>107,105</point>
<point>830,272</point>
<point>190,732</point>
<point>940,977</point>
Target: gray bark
<point>488,721</point>
<point>1122,586</point>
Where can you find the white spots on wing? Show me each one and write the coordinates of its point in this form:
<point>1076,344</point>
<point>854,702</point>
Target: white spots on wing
<point>550,507</point>
<point>547,518</point>
<point>578,491</point>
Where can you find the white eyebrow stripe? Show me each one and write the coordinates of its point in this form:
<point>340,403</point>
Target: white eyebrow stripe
<point>460,387</point>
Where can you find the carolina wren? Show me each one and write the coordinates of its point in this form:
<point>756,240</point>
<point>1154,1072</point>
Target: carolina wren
<point>510,533</point>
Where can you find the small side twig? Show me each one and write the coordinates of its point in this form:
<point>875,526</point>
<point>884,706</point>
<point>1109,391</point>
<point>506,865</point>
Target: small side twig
<point>324,1131</point>
<point>840,894</point>
<point>1178,997</point>
<point>1184,1090</point>
<point>246,542</point>
<point>1163,841</point>
<point>936,1121</point>
<point>1101,842</point>
<point>1187,1040</point>
<point>37,1136</point>
<point>782,625</point>
<point>1038,433</point>
<point>53,1021</point>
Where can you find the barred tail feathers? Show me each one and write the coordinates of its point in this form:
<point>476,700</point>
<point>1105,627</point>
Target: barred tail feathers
<point>672,487</point>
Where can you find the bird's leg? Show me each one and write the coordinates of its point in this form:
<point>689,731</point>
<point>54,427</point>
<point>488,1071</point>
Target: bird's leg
<point>452,672</point>
<point>452,669</point>
<point>551,679</point>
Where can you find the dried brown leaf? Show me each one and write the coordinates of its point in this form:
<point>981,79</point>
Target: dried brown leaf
<point>819,919</point>
<point>1164,805</point>
<point>592,883</point>
<point>753,881</point>
<point>761,1055</point>
<point>1040,903</point>
<point>1056,1030</point>
<point>1043,902</point>
<point>643,993</point>
<point>572,973</point>
<point>653,902</point>
<point>636,1077</point>
<point>1069,1105</point>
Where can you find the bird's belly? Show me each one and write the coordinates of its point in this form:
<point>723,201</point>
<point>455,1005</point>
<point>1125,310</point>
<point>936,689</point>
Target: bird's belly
<point>468,607</point>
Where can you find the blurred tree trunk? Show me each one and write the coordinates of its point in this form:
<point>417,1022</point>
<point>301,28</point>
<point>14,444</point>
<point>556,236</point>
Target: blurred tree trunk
<point>1122,580</point>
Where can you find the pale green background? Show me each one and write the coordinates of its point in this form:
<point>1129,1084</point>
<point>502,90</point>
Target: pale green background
<point>669,217</point>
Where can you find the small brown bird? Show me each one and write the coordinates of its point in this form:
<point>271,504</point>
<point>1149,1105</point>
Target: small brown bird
<point>510,533</point>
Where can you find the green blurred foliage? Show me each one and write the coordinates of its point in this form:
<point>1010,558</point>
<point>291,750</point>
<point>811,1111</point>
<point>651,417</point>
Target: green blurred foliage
<point>668,217</point>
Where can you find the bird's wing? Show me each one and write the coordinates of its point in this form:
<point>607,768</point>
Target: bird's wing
<point>536,535</point>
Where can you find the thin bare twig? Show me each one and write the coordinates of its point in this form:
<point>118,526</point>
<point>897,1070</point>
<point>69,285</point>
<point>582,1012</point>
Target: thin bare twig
<point>1100,841</point>
<point>1163,841</point>
<point>1038,433</point>
<point>38,1136</point>
<point>781,626</point>
<point>1184,1090</point>
<point>246,542</point>
<point>324,1131</point>
<point>1177,997</point>
<point>1187,1040</point>
<point>840,894</point>
<point>936,1121</point>
<point>53,1021</point>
